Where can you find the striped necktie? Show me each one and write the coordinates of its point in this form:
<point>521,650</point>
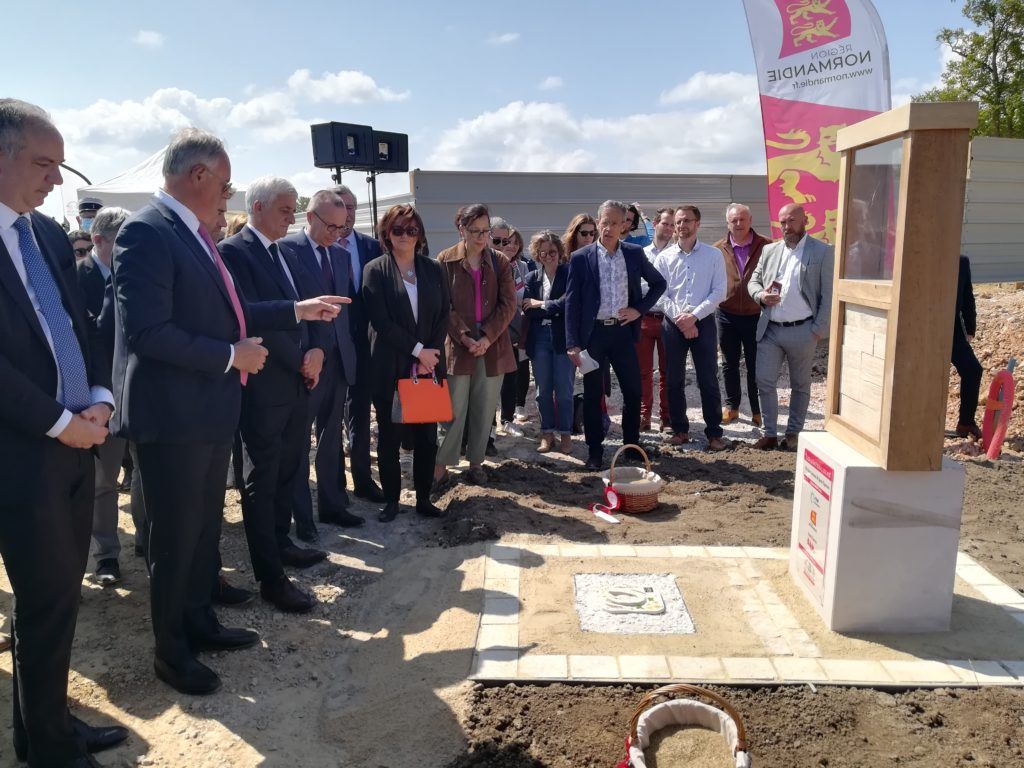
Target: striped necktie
<point>229,284</point>
<point>75,394</point>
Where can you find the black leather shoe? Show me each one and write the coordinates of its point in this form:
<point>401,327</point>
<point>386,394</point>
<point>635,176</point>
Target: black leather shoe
<point>225,639</point>
<point>287,597</point>
<point>342,517</point>
<point>389,512</point>
<point>191,677</point>
<point>594,462</point>
<point>427,509</point>
<point>230,596</point>
<point>98,737</point>
<point>85,761</point>
<point>307,533</point>
<point>298,557</point>
<point>370,493</point>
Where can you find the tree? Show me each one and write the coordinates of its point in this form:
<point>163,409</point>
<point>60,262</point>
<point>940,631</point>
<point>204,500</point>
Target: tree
<point>989,66</point>
<point>301,204</point>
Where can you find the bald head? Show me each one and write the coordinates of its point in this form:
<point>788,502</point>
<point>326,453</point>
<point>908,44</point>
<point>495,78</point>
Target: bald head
<point>793,222</point>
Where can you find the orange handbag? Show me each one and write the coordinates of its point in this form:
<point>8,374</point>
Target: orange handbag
<point>421,401</point>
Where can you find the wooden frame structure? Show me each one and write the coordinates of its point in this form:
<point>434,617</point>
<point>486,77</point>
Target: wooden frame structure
<point>891,334</point>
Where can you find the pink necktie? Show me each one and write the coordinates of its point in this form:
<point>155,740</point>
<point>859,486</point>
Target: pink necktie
<point>230,285</point>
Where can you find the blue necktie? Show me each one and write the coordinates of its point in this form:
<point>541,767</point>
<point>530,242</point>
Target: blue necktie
<point>74,381</point>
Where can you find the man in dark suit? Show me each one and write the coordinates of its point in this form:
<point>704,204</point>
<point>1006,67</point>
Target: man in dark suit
<point>964,360</point>
<point>603,301</point>
<point>55,406</point>
<point>93,278</point>
<point>329,267</point>
<point>275,403</point>
<point>362,249</point>
<point>182,348</point>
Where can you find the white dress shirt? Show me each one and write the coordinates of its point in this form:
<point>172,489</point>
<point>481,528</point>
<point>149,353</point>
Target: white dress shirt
<point>793,306</point>
<point>696,281</point>
<point>267,242</point>
<point>9,235</point>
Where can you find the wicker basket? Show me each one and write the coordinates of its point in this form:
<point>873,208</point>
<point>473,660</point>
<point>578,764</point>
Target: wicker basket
<point>721,717</point>
<point>637,488</point>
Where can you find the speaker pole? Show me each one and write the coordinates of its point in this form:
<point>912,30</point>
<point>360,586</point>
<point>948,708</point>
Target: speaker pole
<point>371,179</point>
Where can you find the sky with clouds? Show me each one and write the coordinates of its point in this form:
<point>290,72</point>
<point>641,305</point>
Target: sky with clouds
<point>533,86</point>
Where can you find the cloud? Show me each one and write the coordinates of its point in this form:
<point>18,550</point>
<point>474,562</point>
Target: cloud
<point>550,83</point>
<point>503,39</point>
<point>521,136</point>
<point>705,86</point>
<point>147,38</point>
<point>721,137</point>
<point>904,89</point>
<point>344,87</point>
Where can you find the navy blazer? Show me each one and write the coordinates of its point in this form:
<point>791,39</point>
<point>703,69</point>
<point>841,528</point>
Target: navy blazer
<point>584,291</point>
<point>553,310</point>
<point>94,291</point>
<point>174,327</point>
<point>28,371</point>
<point>280,381</point>
<point>298,249</point>
<point>359,323</point>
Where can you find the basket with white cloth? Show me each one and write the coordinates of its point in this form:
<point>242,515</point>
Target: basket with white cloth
<point>669,711</point>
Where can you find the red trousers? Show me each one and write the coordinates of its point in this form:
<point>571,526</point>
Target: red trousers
<point>650,337</point>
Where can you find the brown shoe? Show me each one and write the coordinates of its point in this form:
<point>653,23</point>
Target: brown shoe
<point>789,443</point>
<point>645,425</point>
<point>565,444</point>
<point>717,444</point>
<point>729,415</point>
<point>756,420</point>
<point>546,444</point>
<point>767,444</point>
<point>679,438</point>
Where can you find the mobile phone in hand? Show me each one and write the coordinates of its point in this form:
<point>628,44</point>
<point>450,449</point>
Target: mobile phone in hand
<point>775,288</point>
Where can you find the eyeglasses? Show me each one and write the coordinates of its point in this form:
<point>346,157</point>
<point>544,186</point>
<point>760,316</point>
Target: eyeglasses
<point>587,233</point>
<point>399,231</point>
<point>332,229</point>
<point>501,242</point>
<point>82,251</point>
<point>478,232</point>
<point>227,188</point>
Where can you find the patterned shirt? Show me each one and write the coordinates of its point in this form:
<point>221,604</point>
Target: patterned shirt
<point>614,282</point>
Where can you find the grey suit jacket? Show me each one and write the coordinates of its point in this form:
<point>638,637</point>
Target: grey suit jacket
<point>815,281</point>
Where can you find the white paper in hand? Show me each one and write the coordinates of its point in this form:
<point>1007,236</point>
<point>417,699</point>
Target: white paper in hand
<point>587,363</point>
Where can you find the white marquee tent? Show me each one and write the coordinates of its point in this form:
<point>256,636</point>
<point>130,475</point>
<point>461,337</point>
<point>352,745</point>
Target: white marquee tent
<point>133,188</point>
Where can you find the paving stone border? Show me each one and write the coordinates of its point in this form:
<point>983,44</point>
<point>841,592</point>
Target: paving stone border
<point>792,656</point>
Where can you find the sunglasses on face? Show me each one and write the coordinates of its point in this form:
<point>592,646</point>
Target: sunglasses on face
<point>398,231</point>
<point>82,251</point>
<point>588,233</point>
<point>501,242</point>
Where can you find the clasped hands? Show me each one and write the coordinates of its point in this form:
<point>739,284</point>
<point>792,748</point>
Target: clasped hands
<point>88,428</point>
<point>687,324</point>
<point>476,347</point>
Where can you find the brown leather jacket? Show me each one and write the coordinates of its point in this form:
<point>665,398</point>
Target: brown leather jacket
<point>738,301</point>
<point>498,304</point>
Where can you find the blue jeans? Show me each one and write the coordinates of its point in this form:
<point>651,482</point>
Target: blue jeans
<point>553,372</point>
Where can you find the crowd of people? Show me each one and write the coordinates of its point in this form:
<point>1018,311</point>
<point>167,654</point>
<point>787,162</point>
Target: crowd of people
<point>165,341</point>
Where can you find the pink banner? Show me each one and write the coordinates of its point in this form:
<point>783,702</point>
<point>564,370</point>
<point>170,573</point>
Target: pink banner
<point>803,165</point>
<point>821,65</point>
